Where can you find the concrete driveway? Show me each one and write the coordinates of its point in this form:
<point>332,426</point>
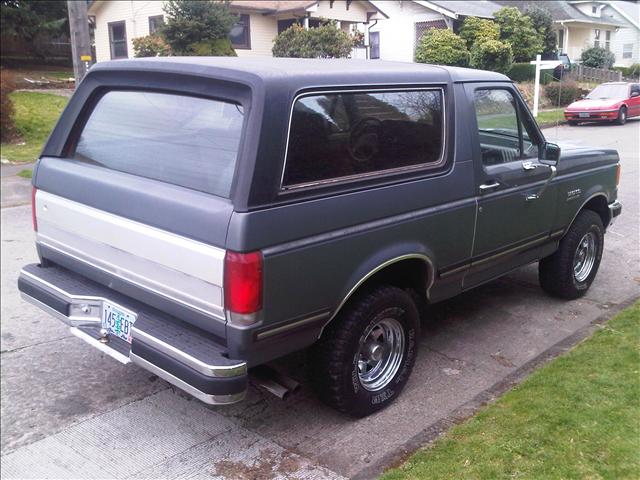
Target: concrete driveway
<point>69,411</point>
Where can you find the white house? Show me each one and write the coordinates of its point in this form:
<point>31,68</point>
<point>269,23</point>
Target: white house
<point>117,23</point>
<point>409,19</point>
<point>614,25</point>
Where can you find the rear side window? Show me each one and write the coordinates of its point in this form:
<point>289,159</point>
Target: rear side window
<point>339,136</point>
<point>187,141</point>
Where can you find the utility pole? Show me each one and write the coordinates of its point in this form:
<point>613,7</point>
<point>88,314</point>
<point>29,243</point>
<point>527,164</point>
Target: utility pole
<point>80,40</point>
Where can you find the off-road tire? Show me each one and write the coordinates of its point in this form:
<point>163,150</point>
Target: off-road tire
<point>556,272</point>
<point>622,116</point>
<point>334,358</point>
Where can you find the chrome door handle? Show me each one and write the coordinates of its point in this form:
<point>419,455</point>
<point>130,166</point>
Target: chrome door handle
<point>485,187</point>
<point>529,166</point>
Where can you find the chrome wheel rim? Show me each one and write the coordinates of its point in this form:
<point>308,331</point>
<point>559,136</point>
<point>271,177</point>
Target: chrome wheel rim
<point>585,257</point>
<point>380,354</point>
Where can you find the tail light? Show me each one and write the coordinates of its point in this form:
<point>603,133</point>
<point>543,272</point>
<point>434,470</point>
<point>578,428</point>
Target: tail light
<point>618,175</point>
<point>34,220</point>
<point>243,282</point>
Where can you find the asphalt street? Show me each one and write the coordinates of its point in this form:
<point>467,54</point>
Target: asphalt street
<point>69,411</point>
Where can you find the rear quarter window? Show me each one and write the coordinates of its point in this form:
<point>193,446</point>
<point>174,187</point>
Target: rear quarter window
<point>188,141</point>
<point>338,136</point>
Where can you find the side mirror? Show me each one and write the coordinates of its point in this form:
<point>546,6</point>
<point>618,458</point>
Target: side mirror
<point>635,94</point>
<point>550,153</point>
<point>583,96</point>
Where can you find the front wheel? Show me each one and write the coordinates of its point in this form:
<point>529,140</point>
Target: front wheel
<point>365,356</point>
<point>569,272</point>
<point>622,116</point>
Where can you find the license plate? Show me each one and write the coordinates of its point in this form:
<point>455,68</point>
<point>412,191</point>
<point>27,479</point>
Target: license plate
<point>117,321</point>
<point>583,115</point>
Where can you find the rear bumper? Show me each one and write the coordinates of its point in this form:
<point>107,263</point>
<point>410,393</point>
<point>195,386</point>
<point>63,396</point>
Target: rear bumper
<point>183,355</point>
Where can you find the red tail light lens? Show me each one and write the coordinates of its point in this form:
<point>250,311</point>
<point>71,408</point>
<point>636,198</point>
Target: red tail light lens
<point>618,175</point>
<point>243,282</point>
<point>34,220</point>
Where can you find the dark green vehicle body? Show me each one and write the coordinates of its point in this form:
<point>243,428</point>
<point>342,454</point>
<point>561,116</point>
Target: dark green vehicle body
<point>439,228</point>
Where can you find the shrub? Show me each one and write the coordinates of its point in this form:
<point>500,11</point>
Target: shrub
<point>597,57</point>
<point>7,127</point>
<point>443,47</point>
<point>560,94</point>
<point>325,41</point>
<point>492,55</point>
<point>475,30</point>
<point>151,46</point>
<point>198,26</point>
<point>632,71</point>
<point>518,31</point>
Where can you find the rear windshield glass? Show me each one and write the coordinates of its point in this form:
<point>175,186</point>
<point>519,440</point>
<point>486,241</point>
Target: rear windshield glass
<point>337,136</point>
<point>187,141</point>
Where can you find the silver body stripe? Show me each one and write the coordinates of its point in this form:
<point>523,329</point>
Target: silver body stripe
<point>178,268</point>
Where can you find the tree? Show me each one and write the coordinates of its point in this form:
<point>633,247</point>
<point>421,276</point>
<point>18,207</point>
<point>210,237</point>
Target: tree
<point>198,27</point>
<point>597,57</point>
<point>517,30</point>
<point>492,55</point>
<point>475,30</point>
<point>443,47</point>
<point>543,23</point>
<point>31,20</point>
<point>324,41</point>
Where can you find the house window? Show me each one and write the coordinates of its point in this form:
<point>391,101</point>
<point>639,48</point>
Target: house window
<point>560,40</point>
<point>627,50</point>
<point>374,44</point>
<point>155,23</point>
<point>118,40</point>
<point>240,34</point>
<point>596,36</point>
<point>607,39</point>
<point>284,24</point>
<point>335,137</point>
<point>594,10</point>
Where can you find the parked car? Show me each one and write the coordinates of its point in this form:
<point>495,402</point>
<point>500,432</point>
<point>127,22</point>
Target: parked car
<point>202,216</point>
<point>563,68</point>
<point>613,102</point>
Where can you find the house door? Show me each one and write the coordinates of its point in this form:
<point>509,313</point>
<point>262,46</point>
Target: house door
<point>374,44</point>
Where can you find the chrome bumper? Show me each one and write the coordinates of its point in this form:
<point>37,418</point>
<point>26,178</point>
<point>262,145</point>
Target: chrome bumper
<point>179,353</point>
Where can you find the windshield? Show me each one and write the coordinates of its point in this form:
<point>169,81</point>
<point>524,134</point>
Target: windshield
<point>608,91</point>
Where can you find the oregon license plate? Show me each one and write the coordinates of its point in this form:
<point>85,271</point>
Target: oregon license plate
<point>117,321</point>
<point>583,115</point>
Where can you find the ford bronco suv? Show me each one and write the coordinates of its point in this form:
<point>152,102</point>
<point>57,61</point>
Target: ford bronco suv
<point>203,216</point>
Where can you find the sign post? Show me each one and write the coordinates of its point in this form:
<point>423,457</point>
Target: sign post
<point>540,65</point>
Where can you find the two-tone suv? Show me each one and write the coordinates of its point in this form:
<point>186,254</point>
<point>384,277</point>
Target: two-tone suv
<point>202,216</point>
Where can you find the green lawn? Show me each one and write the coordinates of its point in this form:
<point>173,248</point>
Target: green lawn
<point>35,117</point>
<point>550,116</point>
<point>575,418</point>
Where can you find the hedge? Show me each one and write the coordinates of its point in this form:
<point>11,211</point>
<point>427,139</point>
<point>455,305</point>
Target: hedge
<point>525,72</point>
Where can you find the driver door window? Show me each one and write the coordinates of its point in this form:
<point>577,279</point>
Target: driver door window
<point>503,136</point>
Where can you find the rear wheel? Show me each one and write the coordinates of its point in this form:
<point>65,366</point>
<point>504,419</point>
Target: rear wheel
<point>569,272</point>
<point>365,356</point>
<point>622,116</point>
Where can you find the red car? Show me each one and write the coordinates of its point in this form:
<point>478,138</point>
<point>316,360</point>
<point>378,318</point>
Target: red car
<point>614,101</point>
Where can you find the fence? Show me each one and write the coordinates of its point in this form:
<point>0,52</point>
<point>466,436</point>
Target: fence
<point>581,73</point>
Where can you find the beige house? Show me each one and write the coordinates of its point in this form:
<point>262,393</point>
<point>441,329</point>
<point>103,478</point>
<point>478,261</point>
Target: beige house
<point>117,23</point>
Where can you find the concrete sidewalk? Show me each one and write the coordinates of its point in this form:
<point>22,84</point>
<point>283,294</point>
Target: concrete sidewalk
<point>14,190</point>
